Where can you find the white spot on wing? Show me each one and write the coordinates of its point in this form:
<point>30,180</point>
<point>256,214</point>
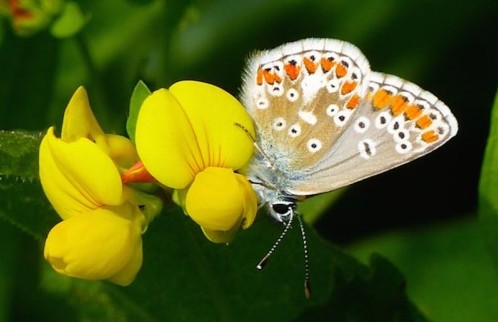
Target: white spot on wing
<point>279,124</point>
<point>308,117</point>
<point>294,130</point>
<point>367,148</point>
<point>314,145</point>
<point>332,110</point>
<point>362,124</point>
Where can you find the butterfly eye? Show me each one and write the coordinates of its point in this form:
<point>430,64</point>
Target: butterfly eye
<point>281,208</point>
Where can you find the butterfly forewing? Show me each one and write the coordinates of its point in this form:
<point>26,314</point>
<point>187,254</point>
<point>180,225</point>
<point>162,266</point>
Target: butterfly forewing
<point>324,120</point>
<point>302,96</point>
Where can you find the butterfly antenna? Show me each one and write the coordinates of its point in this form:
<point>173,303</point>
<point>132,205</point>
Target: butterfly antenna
<point>265,259</point>
<point>307,287</point>
<point>243,128</point>
<point>253,139</point>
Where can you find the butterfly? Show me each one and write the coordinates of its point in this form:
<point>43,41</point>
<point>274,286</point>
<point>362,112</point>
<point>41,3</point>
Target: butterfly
<point>324,120</point>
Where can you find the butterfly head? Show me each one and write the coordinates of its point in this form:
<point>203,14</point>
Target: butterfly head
<point>283,209</point>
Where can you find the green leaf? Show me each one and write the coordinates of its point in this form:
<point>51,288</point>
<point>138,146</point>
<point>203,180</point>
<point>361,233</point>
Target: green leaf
<point>488,187</point>
<point>313,208</point>
<point>448,271</point>
<point>185,277</point>
<point>140,93</point>
<point>21,198</point>
<point>69,22</point>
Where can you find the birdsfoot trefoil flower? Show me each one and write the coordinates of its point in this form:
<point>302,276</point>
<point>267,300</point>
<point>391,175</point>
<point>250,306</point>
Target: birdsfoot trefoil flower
<point>103,219</point>
<point>193,138</point>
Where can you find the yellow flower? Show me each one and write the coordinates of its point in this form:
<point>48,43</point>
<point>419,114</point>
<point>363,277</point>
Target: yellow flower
<point>97,245</point>
<point>100,235</point>
<point>193,137</point>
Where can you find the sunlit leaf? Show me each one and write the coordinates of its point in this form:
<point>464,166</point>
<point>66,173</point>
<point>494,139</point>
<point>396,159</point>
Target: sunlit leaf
<point>488,187</point>
<point>22,202</point>
<point>69,22</point>
<point>140,92</point>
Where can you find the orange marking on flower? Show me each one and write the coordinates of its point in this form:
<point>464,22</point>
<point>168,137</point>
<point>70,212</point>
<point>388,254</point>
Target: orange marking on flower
<point>292,71</point>
<point>327,64</point>
<point>310,65</point>
<point>430,136</point>
<point>353,102</point>
<point>137,173</point>
<point>424,122</point>
<point>412,112</point>
<point>19,12</point>
<point>341,70</point>
<point>348,87</point>
<point>382,99</point>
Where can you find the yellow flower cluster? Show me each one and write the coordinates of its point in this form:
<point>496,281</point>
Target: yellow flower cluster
<point>188,140</point>
<point>191,138</point>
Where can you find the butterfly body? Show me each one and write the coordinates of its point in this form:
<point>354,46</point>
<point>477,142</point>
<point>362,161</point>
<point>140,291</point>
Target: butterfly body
<point>324,120</point>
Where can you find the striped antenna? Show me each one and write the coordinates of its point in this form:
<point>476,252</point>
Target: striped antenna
<point>262,263</point>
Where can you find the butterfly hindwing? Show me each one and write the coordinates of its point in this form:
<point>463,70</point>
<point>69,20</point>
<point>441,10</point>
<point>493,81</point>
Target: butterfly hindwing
<point>395,123</point>
<point>325,120</point>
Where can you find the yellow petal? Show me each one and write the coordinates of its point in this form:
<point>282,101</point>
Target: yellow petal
<point>214,200</point>
<point>121,150</point>
<point>96,245</point>
<point>79,120</point>
<point>126,276</point>
<point>222,126</point>
<point>77,176</point>
<point>166,142</point>
<point>250,200</point>
<point>220,237</point>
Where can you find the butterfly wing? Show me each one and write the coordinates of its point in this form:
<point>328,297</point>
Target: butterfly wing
<point>395,123</point>
<point>324,120</point>
<point>286,91</point>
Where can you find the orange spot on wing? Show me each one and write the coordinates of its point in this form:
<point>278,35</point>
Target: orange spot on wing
<point>399,105</point>
<point>424,121</point>
<point>412,112</point>
<point>430,136</point>
<point>341,70</point>
<point>259,77</point>
<point>382,99</point>
<point>310,65</point>
<point>327,64</point>
<point>353,102</point>
<point>270,77</point>
<point>292,71</point>
<point>348,87</point>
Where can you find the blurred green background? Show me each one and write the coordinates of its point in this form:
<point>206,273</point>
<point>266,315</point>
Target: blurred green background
<point>422,217</point>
